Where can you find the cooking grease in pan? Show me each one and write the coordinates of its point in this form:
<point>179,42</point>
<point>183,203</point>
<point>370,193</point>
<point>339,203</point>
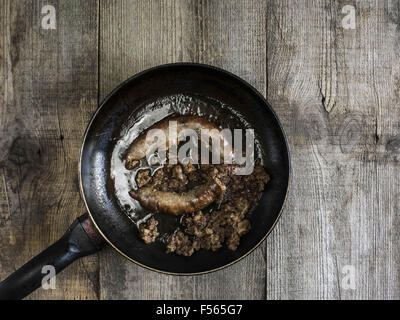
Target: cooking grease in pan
<point>143,118</point>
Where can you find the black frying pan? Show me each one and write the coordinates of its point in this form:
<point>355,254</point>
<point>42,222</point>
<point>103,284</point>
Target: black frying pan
<point>108,222</point>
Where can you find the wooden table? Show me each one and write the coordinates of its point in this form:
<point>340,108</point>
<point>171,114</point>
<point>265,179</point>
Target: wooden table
<point>336,91</point>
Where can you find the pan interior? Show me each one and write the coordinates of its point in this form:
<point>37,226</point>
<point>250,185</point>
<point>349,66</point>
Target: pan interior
<point>143,118</point>
<point>192,89</point>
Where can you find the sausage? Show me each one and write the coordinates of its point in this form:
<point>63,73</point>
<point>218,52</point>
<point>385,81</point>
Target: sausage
<point>138,149</point>
<point>175,203</point>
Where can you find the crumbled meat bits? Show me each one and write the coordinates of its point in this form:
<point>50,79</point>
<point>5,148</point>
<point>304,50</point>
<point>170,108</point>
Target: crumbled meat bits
<point>143,177</point>
<point>225,225</point>
<point>180,244</point>
<point>148,230</point>
<point>214,219</point>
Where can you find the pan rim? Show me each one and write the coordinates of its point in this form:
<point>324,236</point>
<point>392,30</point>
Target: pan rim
<point>165,66</point>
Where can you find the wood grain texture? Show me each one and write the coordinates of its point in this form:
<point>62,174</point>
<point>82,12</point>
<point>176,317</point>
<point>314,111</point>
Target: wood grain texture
<point>336,92</point>
<point>136,35</point>
<point>48,92</point>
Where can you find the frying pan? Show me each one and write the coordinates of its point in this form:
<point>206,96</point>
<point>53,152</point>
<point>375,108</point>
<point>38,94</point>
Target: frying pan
<point>105,221</point>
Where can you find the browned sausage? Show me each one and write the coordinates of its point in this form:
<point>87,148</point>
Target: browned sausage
<point>138,149</point>
<point>174,203</point>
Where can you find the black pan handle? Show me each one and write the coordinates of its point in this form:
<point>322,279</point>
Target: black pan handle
<point>81,239</point>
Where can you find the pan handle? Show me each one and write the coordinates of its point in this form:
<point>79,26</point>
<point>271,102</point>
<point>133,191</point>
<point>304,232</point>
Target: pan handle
<point>81,239</point>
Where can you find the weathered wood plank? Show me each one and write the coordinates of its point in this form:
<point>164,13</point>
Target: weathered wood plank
<point>48,92</point>
<point>335,90</point>
<point>136,35</point>
<point>336,93</point>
